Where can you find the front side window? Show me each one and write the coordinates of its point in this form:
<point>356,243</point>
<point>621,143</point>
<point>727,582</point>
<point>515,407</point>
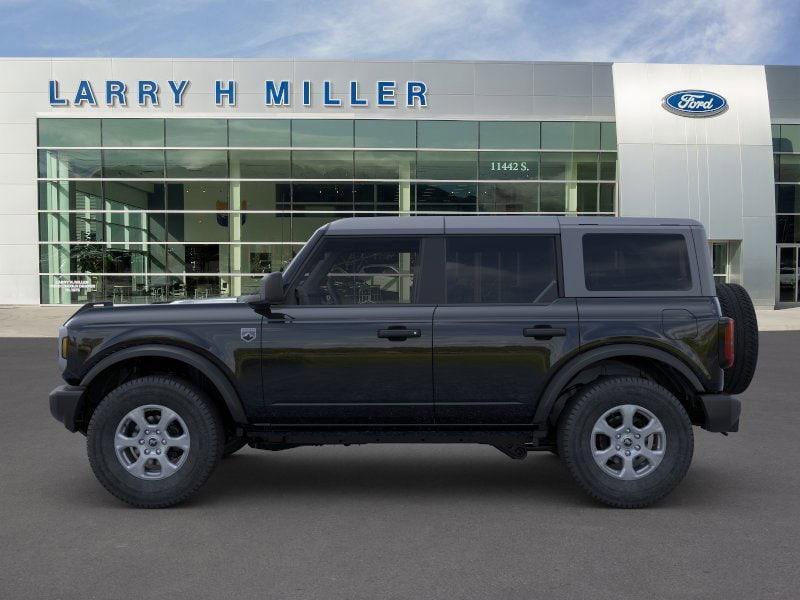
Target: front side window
<point>351,271</point>
<point>636,262</point>
<point>501,269</point>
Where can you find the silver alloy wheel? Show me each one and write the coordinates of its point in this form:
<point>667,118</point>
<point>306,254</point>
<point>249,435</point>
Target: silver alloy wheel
<point>628,442</point>
<point>152,442</point>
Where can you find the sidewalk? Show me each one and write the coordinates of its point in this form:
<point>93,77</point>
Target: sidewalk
<point>43,321</point>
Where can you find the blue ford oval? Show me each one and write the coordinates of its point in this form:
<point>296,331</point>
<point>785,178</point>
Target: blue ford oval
<point>695,103</point>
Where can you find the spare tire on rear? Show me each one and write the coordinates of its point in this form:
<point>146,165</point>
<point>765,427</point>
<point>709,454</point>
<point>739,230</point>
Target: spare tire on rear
<point>736,304</point>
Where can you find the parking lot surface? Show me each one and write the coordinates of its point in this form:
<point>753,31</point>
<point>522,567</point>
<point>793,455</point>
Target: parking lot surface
<point>400,521</point>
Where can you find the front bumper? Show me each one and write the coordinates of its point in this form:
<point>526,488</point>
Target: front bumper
<point>65,403</point>
<point>721,411</point>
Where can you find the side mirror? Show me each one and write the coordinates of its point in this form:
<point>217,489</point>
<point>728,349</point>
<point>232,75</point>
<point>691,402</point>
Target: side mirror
<point>272,288</point>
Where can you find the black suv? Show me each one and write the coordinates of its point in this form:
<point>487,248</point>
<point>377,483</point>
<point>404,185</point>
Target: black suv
<point>602,340</point>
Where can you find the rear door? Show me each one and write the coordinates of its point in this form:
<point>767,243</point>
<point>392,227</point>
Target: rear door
<point>501,328</point>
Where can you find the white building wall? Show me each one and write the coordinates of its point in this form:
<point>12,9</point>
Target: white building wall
<point>718,169</point>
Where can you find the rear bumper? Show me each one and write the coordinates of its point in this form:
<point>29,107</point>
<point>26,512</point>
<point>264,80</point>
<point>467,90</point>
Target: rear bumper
<point>721,411</point>
<point>65,401</point>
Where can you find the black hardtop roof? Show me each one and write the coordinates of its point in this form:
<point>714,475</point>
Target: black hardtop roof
<point>487,224</point>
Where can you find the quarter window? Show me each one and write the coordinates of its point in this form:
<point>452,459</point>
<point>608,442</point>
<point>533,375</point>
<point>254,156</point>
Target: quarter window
<point>361,271</point>
<point>507,269</point>
<point>636,262</point>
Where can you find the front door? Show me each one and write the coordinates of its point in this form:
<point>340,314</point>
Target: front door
<point>501,329</point>
<point>357,347</point>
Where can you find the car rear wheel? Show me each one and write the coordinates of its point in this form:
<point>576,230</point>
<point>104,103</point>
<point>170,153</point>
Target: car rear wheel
<point>736,304</point>
<point>153,441</point>
<point>626,440</point>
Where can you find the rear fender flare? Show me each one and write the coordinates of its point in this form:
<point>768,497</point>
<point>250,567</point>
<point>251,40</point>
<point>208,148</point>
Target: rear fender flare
<point>586,359</point>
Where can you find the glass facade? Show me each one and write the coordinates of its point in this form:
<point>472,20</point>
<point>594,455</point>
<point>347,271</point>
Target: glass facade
<point>150,210</point>
<point>786,148</point>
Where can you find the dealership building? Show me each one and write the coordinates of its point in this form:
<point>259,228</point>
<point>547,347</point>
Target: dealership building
<point>149,180</point>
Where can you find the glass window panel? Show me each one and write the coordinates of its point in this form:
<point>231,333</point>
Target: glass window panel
<point>122,289</point>
<point>197,132</point>
<point>776,165</point>
<point>507,270</point>
<point>205,287</point>
<point>719,257</point>
<point>69,132</point>
<point>586,166</point>
<point>787,265</point>
<point>147,164</point>
<point>374,271</point>
<point>787,198</point>
<point>133,132</point>
<point>446,197</point>
<point>70,195</point>
<point>381,198</point>
<point>587,136</point>
<point>322,197</point>
<point>776,138</point>
<point>509,165</point>
<point>134,258</point>
<point>198,195</point>
<point>305,224</point>
<point>62,164</point>
<point>79,227</point>
<point>382,133</point>
<point>265,227</point>
<point>134,227</point>
<point>553,197</point>
<point>132,195</point>
<point>608,166</point>
<point>509,134</point>
<point>608,136</point>
<point>447,165</point>
<point>322,133</point>
<point>557,135</point>
<point>198,258</point>
<point>788,229</point>
<point>266,258</point>
<point>269,133</point>
<point>447,134</point>
<point>71,258</point>
<point>636,262</point>
<point>322,164</point>
<point>262,195</point>
<point>789,170</point>
<point>587,197</point>
<point>198,227</point>
<point>607,197</point>
<point>260,164</point>
<point>197,163</point>
<point>790,138</point>
<point>70,289</point>
<point>556,165</point>
<point>385,165</point>
<point>508,197</point>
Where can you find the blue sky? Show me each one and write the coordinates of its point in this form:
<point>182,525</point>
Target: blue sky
<point>712,31</point>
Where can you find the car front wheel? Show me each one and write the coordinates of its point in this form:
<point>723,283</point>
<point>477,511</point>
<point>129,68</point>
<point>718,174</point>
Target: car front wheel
<point>626,440</point>
<point>153,441</point>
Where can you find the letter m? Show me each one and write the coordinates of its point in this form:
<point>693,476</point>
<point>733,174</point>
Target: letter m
<point>279,96</point>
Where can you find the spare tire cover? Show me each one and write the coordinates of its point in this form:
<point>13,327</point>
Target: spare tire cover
<point>736,304</point>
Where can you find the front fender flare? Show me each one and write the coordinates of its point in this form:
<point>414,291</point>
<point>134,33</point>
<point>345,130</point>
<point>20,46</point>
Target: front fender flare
<point>586,359</point>
<point>184,355</point>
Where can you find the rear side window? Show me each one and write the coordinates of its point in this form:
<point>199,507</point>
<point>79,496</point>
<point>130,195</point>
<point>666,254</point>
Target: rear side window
<point>636,262</point>
<point>501,269</point>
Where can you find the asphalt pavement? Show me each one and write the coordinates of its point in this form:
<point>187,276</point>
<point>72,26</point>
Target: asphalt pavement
<point>400,521</point>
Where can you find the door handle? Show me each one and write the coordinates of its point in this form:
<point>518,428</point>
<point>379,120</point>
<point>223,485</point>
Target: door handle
<point>399,335</point>
<point>543,332</point>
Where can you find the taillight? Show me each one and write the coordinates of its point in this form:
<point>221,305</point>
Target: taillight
<point>727,354</point>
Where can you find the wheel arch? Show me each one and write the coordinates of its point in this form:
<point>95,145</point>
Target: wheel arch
<point>168,358</point>
<point>643,358</point>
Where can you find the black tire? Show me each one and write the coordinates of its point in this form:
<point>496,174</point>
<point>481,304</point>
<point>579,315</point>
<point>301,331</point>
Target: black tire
<point>205,432</point>
<point>232,445</point>
<point>736,304</point>
<point>575,438</point>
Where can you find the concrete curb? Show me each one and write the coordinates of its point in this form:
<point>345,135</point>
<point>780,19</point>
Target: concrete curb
<point>43,321</point>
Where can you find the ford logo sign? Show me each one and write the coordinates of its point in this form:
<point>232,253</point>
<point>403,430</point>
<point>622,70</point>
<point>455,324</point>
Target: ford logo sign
<point>695,103</point>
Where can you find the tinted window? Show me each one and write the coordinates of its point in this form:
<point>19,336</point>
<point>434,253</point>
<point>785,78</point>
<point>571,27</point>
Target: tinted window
<point>636,262</point>
<point>508,269</point>
<point>361,271</point>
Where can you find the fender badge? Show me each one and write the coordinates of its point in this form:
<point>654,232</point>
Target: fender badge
<point>248,334</point>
